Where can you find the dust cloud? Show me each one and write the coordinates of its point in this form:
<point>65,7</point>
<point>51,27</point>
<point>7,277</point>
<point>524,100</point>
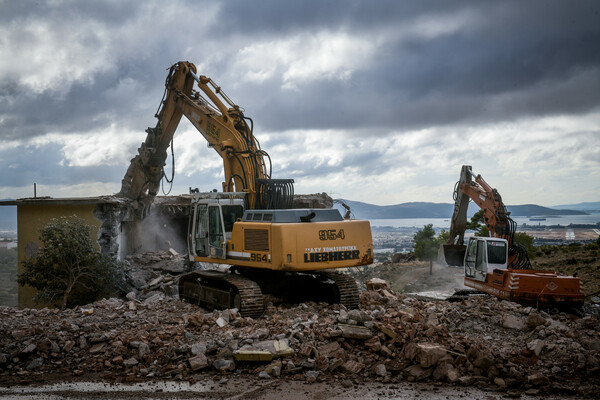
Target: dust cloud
<point>157,232</point>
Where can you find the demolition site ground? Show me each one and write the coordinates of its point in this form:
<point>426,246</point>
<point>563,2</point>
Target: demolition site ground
<point>395,345</point>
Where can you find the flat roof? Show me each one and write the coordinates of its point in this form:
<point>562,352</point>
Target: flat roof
<point>159,200</point>
<point>61,200</point>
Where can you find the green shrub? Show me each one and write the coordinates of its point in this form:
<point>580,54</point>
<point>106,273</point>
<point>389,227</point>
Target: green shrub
<point>67,269</point>
<point>426,245</point>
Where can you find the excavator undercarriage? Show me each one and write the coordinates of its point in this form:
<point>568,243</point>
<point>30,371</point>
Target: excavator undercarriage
<point>245,289</point>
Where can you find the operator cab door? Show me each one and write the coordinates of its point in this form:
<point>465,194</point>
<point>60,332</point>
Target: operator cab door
<point>484,255</point>
<point>208,231</point>
<point>476,260</point>
<point>216,232</point>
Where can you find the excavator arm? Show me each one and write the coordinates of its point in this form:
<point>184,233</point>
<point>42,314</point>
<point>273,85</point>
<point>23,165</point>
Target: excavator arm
<point>496,218</point>
<point>487,198</point>
<point>225,128</point>
<point>146,170</point>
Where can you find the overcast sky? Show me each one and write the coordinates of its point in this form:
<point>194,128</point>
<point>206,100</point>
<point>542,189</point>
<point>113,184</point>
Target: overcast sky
<point>375,101</point>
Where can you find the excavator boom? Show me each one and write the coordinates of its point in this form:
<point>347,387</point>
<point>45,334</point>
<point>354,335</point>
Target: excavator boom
<point>224,126</point>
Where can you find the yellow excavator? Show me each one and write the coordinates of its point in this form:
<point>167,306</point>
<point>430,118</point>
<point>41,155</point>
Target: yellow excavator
<point>250,226</point>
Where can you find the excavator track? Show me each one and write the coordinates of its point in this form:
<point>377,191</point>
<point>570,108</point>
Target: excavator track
<point>297,287</point>
<point>215,289</point>
<point>244,290</point>
<point>347,289</point>
<point>251,297</point>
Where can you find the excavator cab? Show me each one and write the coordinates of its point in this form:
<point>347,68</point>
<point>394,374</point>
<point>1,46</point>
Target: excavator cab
<point>211,223</point>
<point>484,255</point>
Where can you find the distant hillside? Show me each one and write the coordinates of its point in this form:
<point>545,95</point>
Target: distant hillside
<point>405,210</point>
<point>590,206</point>
<point>440,210</point>
<point>529,210</point>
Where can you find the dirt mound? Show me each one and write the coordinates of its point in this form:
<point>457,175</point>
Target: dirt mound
<point>411,277</point>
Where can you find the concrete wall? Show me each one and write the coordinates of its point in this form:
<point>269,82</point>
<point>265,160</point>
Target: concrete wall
<point>31,218</point>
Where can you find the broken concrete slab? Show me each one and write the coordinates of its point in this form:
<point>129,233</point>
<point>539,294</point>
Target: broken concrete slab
<point>353,367</point>
<point>417,373</point>
<point>264,351</point>
<point>536,346</point>
<point>355,332</point>
<point>252,355</point>
<point>198,362</point>
<point>430,354</point>
<point>377,284</point>
<point>329,349</point>
<point>512,321</point>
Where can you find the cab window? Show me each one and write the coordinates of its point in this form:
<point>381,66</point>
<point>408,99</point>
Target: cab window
<point>230,215</point>
<point>215,234</point>
<point>472,250</point>
<point>480,261</point>
<point>496,252</point>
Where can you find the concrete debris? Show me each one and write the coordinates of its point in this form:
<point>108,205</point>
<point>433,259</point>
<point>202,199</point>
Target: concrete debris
<point>252,355</point>
<point>198,362</point>
<point>156,271</point>
<point>264,375</point>
<point>263,351</point>
<point>495,345</point>
<point>380,370</point>
<point>512,321</point>
<point>355,332</point>
<point>316,200</point>
<point>376,284</point>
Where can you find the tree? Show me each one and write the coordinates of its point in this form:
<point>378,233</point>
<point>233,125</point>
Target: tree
<point>443,237</point>
<point>476,224</point>
<point>526,241</point>
<point>67,267</point>
<point>426,245</point>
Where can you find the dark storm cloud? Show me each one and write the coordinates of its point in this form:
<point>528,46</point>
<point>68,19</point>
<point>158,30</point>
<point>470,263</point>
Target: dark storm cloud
<point>21,166</point>
<point>366,162</point>
<point>110,12</point>
<point>273,16</point>
<point>90,67</point>
<point>526,51</point>
<point>83,107</point>
<point>126,76</point>
<point>515,49</point>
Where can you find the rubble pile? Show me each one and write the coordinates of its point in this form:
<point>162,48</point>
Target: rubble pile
<point>153,271</point>
<point>315,200</point>
<point>496,345</point>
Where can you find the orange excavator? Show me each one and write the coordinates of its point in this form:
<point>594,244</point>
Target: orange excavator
<point>496,264</point>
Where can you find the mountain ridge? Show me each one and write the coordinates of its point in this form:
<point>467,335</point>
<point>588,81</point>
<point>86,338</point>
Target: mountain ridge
<point>441,210</point>
<point>588,206</point>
